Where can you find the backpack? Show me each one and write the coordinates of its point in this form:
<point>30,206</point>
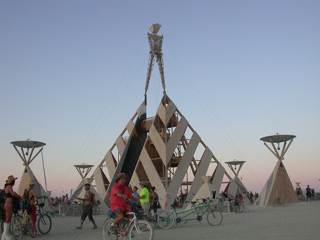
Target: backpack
<point>156,197</point>
<point>93,200</point>
<point>25,201</point>
<point>111,214</point>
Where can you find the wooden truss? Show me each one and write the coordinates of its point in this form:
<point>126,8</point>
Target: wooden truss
<point>173,157</point>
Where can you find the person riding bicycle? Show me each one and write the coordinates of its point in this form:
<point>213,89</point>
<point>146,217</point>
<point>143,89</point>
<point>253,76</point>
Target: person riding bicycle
<point>87,211</point>
<point>118,202</point>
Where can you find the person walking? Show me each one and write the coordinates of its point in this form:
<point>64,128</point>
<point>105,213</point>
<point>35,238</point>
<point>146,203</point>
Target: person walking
<point>144,199</point>
<point>8,206</point>
<point>87,211</point>
<point>118,200</point>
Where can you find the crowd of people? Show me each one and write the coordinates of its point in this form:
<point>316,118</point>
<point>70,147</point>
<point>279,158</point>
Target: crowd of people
<point>147,198</point>
<point>122,199</point>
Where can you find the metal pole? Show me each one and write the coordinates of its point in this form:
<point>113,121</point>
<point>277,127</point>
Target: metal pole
<point>44,172</point>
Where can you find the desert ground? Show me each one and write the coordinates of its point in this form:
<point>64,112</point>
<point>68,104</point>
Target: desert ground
<point>294,221</point>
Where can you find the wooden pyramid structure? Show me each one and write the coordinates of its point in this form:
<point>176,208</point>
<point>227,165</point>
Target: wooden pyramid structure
<point>24,182</point>
<point>173,157</point>
<point>279,183</point>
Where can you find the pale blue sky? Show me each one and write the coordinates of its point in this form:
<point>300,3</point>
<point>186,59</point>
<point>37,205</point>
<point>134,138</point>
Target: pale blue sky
<point>72,73</point>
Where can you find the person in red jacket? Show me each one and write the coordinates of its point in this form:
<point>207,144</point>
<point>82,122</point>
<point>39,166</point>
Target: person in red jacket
<point>118,202</point>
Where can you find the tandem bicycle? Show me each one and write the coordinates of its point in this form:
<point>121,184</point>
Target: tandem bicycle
<point>165,218</point>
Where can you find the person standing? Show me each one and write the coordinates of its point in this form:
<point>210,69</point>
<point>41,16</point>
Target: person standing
<point>136,195</point>
<point>8,206</point>
<point>155,200</point>
<point>144,199</point>
<point>30,193</point>
<point>308,193</point>
<point>118,202</point>
<point>135,192</point>
<point>87,211</point>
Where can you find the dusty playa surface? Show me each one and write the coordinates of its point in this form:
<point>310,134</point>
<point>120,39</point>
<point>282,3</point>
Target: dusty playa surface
<point>295,221</point>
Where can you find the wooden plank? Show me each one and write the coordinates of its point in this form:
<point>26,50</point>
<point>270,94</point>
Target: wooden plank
<point>99,182</point>
<point>130,126</point>
<point>158,143</point>
<point>120,145</point>
<point>162,113</point>
<point>153,176</point>
<point>175,138</point>
<point>182,168</point>
<point>202,171</point>
<point>109,160</point>
<point>218,177</point>
<point>170,110</point>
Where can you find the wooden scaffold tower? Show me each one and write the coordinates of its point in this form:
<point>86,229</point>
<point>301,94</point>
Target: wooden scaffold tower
<point>173,157</point>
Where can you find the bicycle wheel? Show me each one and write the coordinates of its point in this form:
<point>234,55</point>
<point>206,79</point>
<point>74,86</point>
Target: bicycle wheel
<point>31,226</point>
<point>141,230</point>
<point>95,210</point>
<point>44,224</point>
<point>16,227</point>
<point>106,230</point>
<point>214,218</point>
<point>154,220</point>
<point>165,219</point>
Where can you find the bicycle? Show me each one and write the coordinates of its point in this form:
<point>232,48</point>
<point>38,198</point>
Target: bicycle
<point>22,224</point>
<point>44,222</point>
<point>132,228</point>
<point>165,218</point>
<point>278,202</point>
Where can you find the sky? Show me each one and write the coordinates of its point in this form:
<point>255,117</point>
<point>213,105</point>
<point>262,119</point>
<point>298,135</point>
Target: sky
<point>73,72</point>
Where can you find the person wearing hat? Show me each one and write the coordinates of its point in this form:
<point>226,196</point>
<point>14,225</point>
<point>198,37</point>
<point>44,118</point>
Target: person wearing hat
<point>119,195</point>
<point>8,206</point>
<point>31,194</point>
<point>87,211</point>
<point>144,199</point>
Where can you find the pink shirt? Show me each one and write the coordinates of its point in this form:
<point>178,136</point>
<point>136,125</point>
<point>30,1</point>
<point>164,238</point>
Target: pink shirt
<point>119,202</point>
